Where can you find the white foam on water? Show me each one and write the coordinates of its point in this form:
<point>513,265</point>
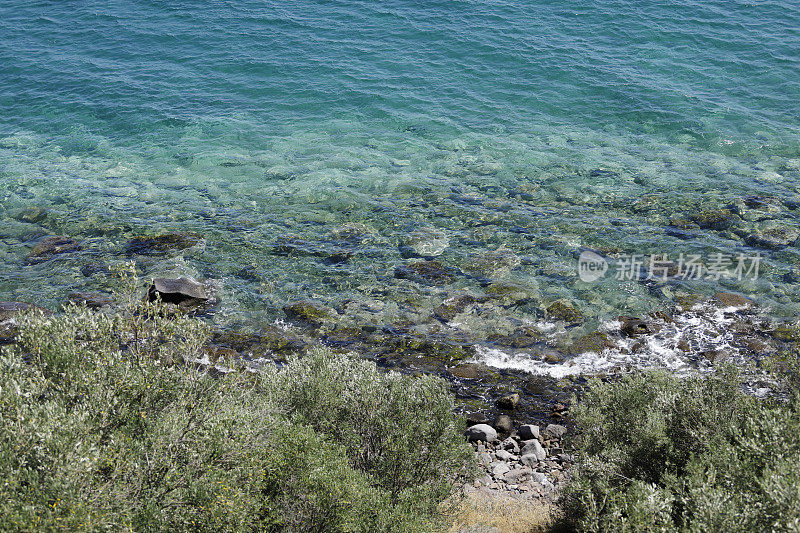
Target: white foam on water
<point>679,346</point>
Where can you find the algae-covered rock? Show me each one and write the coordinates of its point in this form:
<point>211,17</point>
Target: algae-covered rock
<point>453,306</point>
<point>472,371</point>
<point>32,214</point>
<point>492,264</point>
<point>92,300</point>
<point>426,272</point>
<point>161,244</point>
<point>566,311</point>
<point>522,337</point>
<point>716,219</point>
<point>50,247</point>
<point>773,236</point>
<point>510,294</point>
<point>729,299</point>
<point>308,311</point>
<point>593,342</point>
<point>787,332</point>
<point>270,340</point>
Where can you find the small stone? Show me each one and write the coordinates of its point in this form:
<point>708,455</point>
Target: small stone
<point>530,460</point>
<point>554,431</point>
<point>511,445</point>
<point>503,455</point>
<point>503,424</point>
<point>516,475</point>
<point>481,432</point>
<point>508,402</point>
<point>528,432</point>
<point>500,469</point>
<point>540,478</point>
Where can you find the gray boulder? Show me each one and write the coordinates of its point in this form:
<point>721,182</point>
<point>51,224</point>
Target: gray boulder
<point>528,432</point>
<point>481,432</point>
<point>554,431</point>
<point>535,448</point>
<point>179,291</point>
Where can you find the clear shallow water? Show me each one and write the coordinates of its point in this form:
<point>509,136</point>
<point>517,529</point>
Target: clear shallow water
<point>535,129</point>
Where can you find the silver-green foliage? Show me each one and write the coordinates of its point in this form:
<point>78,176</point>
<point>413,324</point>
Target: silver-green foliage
<point>106,427</point>
<point>662,453</point>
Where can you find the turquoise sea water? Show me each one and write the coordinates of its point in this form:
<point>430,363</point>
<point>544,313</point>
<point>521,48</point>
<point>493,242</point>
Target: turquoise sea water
<point>289,132</point>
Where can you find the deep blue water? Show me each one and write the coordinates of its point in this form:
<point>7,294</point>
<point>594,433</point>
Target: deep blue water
<point>540,129</point>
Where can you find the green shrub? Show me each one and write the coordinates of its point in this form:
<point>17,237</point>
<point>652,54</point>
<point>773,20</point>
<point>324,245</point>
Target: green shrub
<point>397,428</point>
<point>662,453</point>
<point>104,427</point>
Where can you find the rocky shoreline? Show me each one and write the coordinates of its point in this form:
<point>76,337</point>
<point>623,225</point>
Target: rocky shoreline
<point>527,463</point>
<point>472,339</point>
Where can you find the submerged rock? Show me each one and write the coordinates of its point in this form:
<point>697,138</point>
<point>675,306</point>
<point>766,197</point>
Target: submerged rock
<point>509,401</point>
<point>424,242</point>
<point>308,311</point>
<point>594,342</point>
<point>773,236</point>
<point>471,371</point>
<point>426,272</point>
<point>494,263</point>
<point>511,294</point>
<point>729,299</point>
<point>453,306</point>
<point>50,247</point>
<point>32,214</point>
<point>523,337</point>
<point>716,219</point>
<point>160,244</point>
<point>270,340</point>
<point>566,311</point>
